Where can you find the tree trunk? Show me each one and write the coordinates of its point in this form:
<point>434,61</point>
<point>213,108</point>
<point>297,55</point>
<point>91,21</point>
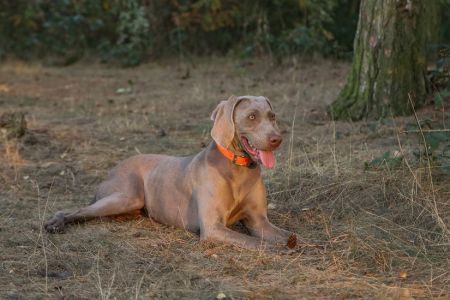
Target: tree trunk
<point>389,59</point>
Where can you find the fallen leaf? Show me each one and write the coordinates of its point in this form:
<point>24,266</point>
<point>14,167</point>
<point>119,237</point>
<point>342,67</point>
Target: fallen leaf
<point>124,90</point>
<point>271,206</point>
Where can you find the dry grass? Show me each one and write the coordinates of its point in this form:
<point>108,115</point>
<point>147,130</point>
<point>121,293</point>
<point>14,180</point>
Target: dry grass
<point>383,230</point>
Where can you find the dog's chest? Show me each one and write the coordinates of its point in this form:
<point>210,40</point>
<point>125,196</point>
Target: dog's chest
<point>236,206</point>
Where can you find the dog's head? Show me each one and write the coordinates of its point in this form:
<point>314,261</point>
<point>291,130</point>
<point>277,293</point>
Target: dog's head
<point>247,123</point>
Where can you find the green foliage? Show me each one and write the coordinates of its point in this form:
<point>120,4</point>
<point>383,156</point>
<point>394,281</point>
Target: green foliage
<point>439,98</point>
<point>438,77</point>
<point>66,28</point>
<point>433,147</point>
<point>133,34</point>
<point>445,21</point>
<point>386,160</point>
<point>130,31</point>
<point>434,144</point>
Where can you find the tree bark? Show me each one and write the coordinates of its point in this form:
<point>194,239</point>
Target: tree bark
<point>389,59</point>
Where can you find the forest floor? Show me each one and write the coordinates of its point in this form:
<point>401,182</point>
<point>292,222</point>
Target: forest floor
<point>384,224</point>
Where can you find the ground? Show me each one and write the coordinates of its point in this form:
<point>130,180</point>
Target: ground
<point>383,227</point>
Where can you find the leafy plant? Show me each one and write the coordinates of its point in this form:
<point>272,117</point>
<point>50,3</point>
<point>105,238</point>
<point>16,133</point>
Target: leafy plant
<point>134,37</point>
<point>388,160</point>
<point>128,31</point>
<point>439,98</point>
<point>438,78</point>
<point>435,143</point>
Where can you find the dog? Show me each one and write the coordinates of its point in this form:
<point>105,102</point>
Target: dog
<point>207,192</point>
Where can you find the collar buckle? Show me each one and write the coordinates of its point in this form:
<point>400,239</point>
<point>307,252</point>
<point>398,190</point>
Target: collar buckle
<point>252,165</point>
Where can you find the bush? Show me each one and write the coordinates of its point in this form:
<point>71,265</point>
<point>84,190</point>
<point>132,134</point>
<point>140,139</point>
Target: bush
<point>130,31</point>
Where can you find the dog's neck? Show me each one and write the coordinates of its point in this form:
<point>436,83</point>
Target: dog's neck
<point>236,154</point>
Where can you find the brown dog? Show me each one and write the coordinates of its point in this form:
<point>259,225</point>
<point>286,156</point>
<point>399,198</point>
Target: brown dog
<point>204,193</point>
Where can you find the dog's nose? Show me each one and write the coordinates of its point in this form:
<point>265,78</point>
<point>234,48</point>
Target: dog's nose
<point>275,140</point>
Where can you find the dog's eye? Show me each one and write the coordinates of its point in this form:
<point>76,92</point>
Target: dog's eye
<point>272,116</point>
<point>252,116</point>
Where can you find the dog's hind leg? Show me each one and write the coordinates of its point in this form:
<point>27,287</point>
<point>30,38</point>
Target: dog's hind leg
<point>114,204</point>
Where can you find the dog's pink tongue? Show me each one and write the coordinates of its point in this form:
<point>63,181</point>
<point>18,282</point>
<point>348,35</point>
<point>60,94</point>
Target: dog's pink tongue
<point>267,158</point>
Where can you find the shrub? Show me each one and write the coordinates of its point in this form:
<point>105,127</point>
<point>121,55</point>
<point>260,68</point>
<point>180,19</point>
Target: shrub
<point>130,31</point>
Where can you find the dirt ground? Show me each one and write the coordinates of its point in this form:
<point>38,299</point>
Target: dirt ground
<point>383,228</point>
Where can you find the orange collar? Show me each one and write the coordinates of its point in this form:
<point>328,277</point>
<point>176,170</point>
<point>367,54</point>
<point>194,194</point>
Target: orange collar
<point>236,159</point>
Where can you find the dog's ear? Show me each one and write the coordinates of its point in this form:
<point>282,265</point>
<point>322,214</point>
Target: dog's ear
<point>223,128</point>
<point>268,101</point>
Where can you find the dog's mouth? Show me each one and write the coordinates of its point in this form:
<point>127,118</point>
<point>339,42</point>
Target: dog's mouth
<point>266,158</point>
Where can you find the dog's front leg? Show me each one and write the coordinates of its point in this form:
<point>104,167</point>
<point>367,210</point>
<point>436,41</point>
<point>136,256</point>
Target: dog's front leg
<point>260,227</point>
<point>221,233</point>
<point>212,210</point>
<point>257,222</point>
